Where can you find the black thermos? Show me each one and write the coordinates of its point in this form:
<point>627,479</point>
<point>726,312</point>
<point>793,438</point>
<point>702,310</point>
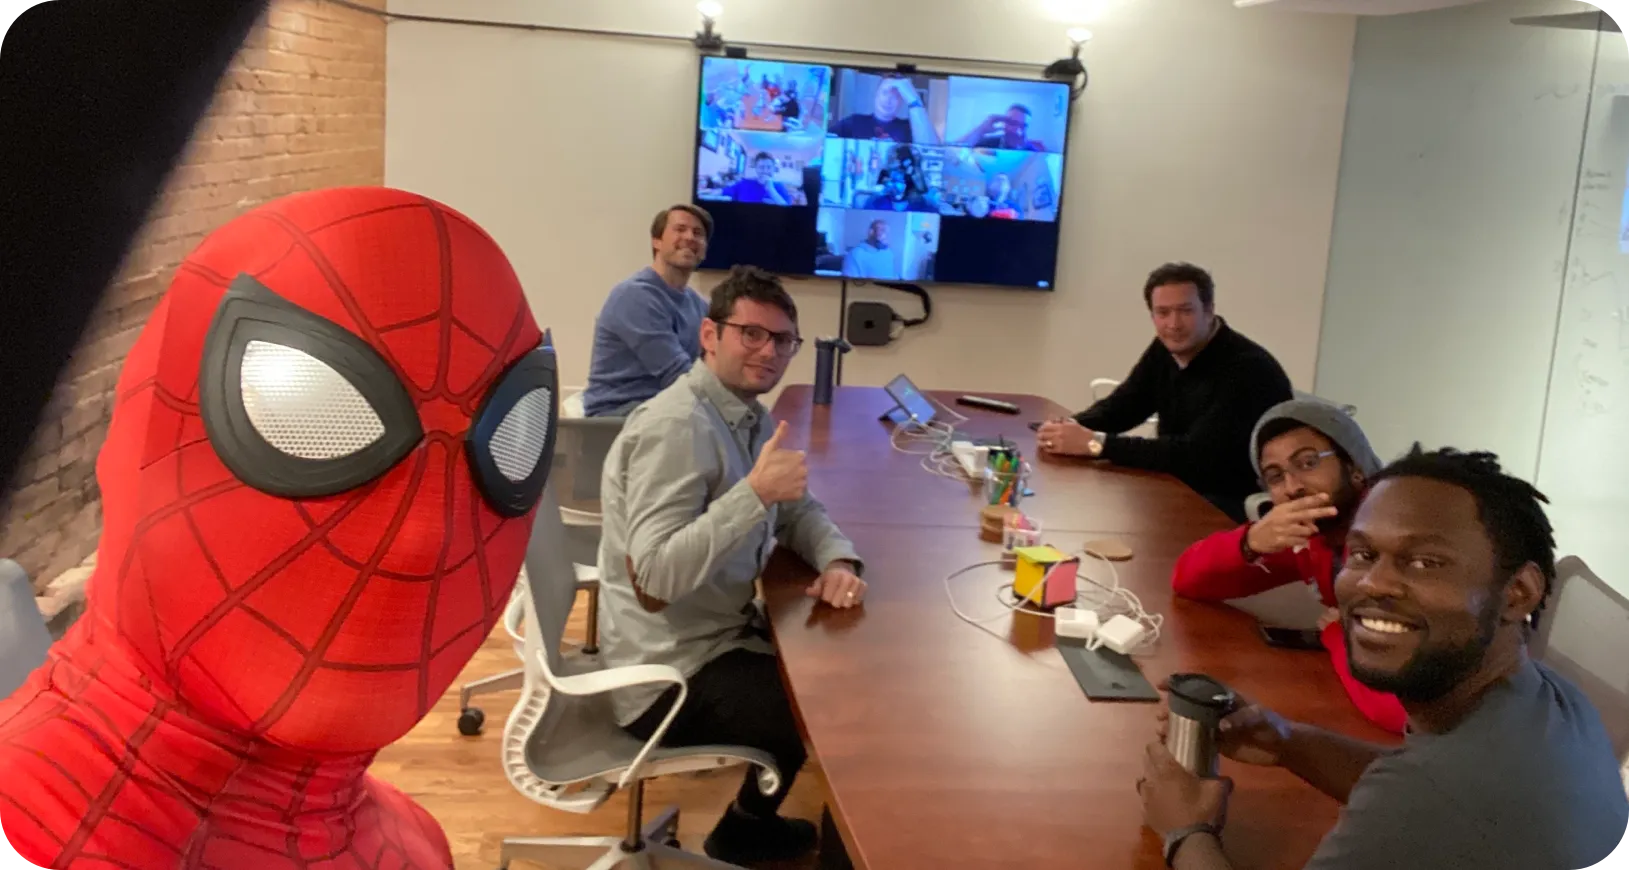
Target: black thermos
<point>826,351</point>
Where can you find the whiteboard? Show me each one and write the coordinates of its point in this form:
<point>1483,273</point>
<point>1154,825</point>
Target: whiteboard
<point>1584,449</point>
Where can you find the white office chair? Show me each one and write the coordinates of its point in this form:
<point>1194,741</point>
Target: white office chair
<point>24,638</point>
<point>1583,635</point>
<point>579,457</point>
<point>571,402</point>
<point>1101,387</point>
<point>562,746</point>
<point>579,466</point>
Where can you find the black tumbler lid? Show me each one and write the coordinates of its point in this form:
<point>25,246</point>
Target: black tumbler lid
<point>1198,697</point>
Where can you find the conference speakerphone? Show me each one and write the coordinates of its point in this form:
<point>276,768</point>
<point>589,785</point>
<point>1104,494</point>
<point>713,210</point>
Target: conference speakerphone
<point>987,404</point>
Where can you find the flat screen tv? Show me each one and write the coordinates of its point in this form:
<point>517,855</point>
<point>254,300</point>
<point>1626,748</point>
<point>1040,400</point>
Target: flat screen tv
<point>873,174</point>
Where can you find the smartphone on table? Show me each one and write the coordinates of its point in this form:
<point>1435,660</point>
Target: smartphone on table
<point>1292,638</point>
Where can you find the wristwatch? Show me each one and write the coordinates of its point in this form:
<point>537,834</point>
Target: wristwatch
<point>1094,447</point>
<point>1175,839</point>
<point>1245,551</point>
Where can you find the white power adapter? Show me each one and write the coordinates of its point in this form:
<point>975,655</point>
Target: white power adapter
<point>1076,623</point>
<point>1121,633</point>
<point>972,457</point>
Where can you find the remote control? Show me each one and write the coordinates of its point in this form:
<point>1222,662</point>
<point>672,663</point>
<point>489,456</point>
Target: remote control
<point>987,404</point>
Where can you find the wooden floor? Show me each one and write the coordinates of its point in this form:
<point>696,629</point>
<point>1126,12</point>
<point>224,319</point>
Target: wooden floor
<point>459,781</point>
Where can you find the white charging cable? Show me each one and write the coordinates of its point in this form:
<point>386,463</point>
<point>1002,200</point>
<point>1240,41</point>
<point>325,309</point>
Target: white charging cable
<point>960,417</point>
<point>1106,601</point>
<point>931,441</point>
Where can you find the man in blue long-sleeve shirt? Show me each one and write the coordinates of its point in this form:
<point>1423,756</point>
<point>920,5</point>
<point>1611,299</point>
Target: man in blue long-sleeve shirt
<point>647,334</point>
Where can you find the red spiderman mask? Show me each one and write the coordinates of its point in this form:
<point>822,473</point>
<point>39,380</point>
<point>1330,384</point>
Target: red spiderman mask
<point>317,489</point>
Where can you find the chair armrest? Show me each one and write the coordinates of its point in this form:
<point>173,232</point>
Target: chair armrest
<point>515,613</point>
<point>599,682</point>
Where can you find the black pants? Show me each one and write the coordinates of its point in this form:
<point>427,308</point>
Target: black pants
<point>736,699</point>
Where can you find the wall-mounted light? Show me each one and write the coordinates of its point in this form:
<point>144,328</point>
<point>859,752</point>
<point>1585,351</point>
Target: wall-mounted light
<point>709,39</point>
<point>1071,68</point>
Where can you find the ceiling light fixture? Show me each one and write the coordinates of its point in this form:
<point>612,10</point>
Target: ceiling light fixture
<point>1071,69</point>
<point>709,39</point>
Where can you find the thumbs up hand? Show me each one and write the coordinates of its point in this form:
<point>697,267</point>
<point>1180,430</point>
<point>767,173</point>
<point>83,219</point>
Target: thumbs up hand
<point>778,475</point>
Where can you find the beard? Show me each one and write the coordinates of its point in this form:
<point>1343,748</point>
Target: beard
<point>1345,501</point>
<point>1435,668</point>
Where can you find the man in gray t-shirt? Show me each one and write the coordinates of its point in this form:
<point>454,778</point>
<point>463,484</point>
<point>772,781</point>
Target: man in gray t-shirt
<point>1525,781</point>
<point>1506,764</point>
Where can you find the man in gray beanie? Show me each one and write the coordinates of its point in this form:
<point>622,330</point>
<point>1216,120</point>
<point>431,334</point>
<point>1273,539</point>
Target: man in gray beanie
<point>1314,462</point>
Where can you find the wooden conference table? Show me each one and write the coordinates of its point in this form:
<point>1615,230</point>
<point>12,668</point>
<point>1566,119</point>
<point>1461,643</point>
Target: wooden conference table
<point>946,746</point>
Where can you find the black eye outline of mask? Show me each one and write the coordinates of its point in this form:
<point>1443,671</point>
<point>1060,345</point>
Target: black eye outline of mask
<point>534,371</point>
<point>251,312</point>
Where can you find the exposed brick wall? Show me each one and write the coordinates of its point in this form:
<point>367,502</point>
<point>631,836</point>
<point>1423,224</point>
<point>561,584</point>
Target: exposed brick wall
<point>302,107</point>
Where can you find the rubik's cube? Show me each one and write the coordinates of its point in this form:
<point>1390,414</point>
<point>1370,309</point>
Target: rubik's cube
<point>1049,568</point>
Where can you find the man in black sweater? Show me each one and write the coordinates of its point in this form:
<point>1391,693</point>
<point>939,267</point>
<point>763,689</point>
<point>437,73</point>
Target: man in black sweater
<point>1208,384</point>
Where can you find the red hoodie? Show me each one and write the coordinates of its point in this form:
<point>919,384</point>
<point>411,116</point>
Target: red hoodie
<point>1214,569</point>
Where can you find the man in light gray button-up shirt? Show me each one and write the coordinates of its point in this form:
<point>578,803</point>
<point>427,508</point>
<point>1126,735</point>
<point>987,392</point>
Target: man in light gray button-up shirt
<point>698,490</point>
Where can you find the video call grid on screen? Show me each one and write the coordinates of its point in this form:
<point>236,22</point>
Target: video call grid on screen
<point>866,173</point>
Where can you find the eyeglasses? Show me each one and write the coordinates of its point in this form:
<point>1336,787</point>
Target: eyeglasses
<point>753,336</point>
<point>1301,462</point>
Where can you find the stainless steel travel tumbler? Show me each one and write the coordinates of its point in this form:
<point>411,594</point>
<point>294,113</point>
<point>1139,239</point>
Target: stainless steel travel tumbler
<point>1197,705</point>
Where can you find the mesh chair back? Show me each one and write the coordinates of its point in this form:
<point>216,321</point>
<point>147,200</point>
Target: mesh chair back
<point>24,638</point>
<point>1584,635</point>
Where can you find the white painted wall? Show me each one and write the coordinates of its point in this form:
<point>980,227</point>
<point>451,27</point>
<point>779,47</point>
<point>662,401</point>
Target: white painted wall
<point>1478,295</point>
<point>1208,133</point>
<point>1456,187</point>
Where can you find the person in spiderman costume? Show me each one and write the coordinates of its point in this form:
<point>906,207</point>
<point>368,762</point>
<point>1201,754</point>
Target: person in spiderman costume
<point>317,491</point>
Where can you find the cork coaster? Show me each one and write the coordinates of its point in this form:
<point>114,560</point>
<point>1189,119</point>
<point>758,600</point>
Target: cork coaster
<point>993,521</point>
<point>1110,549</point>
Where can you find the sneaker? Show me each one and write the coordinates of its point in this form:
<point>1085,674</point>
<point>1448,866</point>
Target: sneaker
<point>744,840</point>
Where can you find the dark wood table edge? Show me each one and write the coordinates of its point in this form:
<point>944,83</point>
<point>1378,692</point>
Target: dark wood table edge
<point>832,818</point>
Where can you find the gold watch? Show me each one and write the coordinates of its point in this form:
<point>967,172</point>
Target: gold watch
<point>1094,447</point>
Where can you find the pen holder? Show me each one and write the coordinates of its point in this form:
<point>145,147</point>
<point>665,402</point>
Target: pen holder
<point>1005,487</point>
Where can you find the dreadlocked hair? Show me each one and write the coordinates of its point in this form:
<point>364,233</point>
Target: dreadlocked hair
<point>1511,509</point>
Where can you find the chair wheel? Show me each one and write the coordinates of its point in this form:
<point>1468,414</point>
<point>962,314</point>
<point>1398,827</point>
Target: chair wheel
<point>470,722</point>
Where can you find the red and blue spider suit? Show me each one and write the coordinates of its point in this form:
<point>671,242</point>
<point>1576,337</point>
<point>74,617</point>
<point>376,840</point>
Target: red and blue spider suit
<point>317,490</point>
